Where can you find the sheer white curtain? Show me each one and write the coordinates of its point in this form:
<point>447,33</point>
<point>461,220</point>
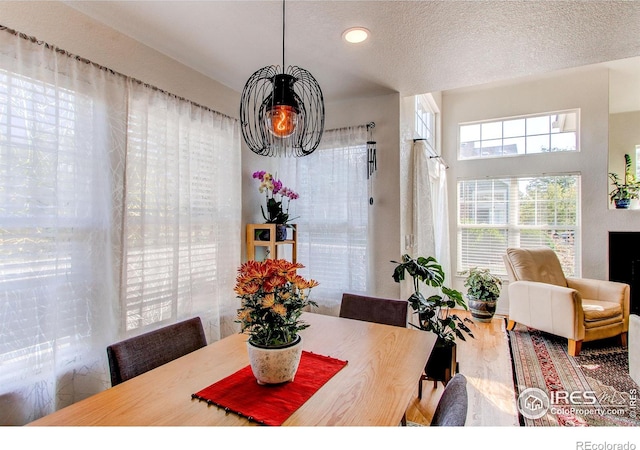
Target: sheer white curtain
<point>430,214</point>
<point>333,214</point>
<point>62,136</point>
<point>72,172</point>
<point>183,202</point>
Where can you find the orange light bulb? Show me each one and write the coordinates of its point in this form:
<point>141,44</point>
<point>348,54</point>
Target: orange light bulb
<point>283,120</point>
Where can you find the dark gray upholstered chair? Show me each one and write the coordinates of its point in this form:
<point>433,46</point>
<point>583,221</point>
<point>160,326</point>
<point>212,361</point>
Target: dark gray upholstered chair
<point>374,309</point>
<point>139,354</point>
<point>452,407</point>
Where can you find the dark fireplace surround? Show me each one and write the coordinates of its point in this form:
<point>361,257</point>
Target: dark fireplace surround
<point>624,262</point>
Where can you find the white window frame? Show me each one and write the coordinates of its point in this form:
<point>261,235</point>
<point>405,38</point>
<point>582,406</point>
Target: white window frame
<point>527,134</point>
<point>426,121</point>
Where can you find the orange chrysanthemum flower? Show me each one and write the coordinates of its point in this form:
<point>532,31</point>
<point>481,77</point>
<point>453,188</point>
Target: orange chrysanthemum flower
<point>274,282</point>
<point>301,283</point>
<point>247,288</point>
<point>268,301</point>
<point>279,309</point>
<point>244,315</point>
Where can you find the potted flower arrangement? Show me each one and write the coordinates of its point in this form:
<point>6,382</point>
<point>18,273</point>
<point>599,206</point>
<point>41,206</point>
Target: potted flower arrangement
<point>624,189</point>
<point>435,314</point>
<point>273,297</point>
<point>278,200</point>
<point>482,293</point>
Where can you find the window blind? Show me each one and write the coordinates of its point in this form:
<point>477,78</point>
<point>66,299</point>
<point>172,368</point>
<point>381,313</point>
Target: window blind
<point>494,214</point>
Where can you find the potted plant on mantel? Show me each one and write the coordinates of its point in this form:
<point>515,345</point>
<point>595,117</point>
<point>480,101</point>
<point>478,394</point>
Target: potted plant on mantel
<point>625,189</point>
<point>273,297</point>
<point>482,293</point>
<point>435,314</point>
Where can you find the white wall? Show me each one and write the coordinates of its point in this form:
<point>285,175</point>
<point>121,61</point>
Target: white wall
<point>586,89</point>
<point>64,27</point>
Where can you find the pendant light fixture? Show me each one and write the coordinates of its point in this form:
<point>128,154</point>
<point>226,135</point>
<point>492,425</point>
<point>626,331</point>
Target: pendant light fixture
<point>282,110</point>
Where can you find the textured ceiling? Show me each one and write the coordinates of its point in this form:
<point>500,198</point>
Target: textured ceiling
<point>415,47</point>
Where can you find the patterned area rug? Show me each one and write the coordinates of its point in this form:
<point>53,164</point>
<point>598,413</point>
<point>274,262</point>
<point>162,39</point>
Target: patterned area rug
<point>555,389</point>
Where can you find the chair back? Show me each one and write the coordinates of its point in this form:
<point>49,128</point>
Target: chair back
<point>374,309</point>
<point>452,406</point>
<point>139,354</point>
<point>534,264</point>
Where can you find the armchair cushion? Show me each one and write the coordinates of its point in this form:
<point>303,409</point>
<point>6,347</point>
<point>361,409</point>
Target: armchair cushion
<point>600,312</point>
<point>536,264</point>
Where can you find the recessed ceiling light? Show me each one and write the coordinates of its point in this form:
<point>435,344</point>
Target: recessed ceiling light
<point>355,35</point>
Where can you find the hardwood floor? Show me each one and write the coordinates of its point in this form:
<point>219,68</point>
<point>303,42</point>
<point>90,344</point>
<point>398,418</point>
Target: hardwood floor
<point>486,363</point>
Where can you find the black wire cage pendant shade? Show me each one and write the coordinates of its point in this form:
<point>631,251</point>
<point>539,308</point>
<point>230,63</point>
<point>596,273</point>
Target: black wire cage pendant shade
<point>282,110</point>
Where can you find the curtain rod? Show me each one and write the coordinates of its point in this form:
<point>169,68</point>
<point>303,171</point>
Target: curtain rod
<point>438,157</point>
<point>106,69</point>
<point>367,125</point>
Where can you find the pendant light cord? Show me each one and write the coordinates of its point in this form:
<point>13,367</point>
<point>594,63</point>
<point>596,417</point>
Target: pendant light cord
<point>283,36</point>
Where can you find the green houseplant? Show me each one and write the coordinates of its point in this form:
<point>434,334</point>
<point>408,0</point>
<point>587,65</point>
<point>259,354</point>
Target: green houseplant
<point>435,313</point>
<point>625,188</point>
<point>483,291</point>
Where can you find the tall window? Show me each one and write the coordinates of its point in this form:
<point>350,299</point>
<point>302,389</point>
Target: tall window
<point>552,132</point>
<point>50,211</point>
<point>115,204</point>
<point>425,124</point>
<point>333,214</point>
<point>494,214</point>
<point>179,208</point>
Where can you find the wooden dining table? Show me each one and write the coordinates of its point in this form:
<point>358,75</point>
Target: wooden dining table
<point>373,389</point>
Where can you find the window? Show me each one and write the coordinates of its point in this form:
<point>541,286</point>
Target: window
<point>554,132</point>
<point>115,205</point>
<point>179,199</point>
<point>49,212</point>
<point>494,214</point>
<point>333,213</point>
<point>425,124</point>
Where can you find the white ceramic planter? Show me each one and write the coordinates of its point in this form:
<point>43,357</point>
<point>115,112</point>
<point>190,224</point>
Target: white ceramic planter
<point>274,365</point>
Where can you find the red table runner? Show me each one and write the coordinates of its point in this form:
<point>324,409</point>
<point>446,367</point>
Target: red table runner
<point>240,393</point>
